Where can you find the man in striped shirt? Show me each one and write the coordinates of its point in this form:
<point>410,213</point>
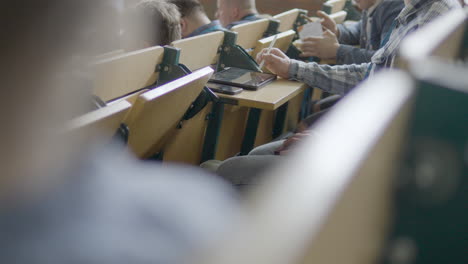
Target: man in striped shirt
<point>342,78</point>
<point>244,171</point>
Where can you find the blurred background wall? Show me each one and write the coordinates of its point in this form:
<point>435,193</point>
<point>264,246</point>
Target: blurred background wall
<point>271,7</point>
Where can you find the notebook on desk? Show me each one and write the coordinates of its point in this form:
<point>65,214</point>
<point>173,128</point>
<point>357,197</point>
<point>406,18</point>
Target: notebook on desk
<point>246,79</point>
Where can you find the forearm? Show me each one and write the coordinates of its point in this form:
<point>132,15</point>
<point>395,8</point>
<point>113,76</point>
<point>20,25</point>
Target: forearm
<point>334,79</point>
<point>347,54</point>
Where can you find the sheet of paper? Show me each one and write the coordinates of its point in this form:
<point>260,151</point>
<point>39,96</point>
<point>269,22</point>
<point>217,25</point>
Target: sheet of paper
<point>313,29</point>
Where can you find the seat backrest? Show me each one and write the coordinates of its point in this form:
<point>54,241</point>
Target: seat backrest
<point>105,121</point>
<point>334,6</point>
<point>199,51</point>
<point>329,200</point>
<point>283,41</point>
<point>157,112</point>
<point>339,17</point>
<point>444,38</point>
<point>249,33</point>
<point>122,75</point>
<point>287,19</point>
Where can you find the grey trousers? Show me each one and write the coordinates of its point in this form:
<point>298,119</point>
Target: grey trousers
<point>247,171</point>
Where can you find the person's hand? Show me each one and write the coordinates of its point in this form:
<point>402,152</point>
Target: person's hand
<point>292,141</point>
<point>324,47</point>
<point>328,23</point>
<point>276,61</point>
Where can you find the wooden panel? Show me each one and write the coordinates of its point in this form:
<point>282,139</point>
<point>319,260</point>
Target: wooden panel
<point>339,17</point>
<point>125,74</point>
<point>269,97</point>
<point>199,51</point>
<point>292,116</point>
<point>157,112</point>
<point>232,131</point>
<point>336,5</point>
<point>316,94</point>
<point>287,19</point>
<point>104,121</point>
<point>265,128</point>
<point>250,33</point>
<point>185,145</point>
<point>131,98</point>
<point>283,42</point>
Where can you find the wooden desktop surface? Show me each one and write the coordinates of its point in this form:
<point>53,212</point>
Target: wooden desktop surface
<point>269,97</point>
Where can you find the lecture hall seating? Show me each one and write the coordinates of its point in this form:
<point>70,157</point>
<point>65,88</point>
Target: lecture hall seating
<point>330,213</point>
<point>125,74</point>
<point>103,122</point>
<point>156,114</point>
<point>236,111</point>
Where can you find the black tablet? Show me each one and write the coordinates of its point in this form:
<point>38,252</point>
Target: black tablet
<point>243,78</point>
<point>225,89</point>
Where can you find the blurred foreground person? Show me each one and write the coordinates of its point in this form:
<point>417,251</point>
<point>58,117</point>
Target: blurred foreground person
<point>63,201</point>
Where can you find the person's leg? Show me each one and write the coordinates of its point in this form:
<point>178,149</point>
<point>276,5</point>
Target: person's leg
<point>311,119</point>
<point>246,171</point>
<point>267,149</point>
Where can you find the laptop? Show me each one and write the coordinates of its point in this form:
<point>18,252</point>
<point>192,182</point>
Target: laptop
<point>246,79</point>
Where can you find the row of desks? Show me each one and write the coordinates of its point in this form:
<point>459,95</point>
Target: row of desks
<point>273,99</point>
<point>270,97</point>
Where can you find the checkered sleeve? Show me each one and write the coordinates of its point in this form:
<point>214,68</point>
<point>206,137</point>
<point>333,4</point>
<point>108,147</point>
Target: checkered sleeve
<point>339,79</point>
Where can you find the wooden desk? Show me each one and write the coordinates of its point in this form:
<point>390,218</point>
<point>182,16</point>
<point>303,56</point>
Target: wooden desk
<point>274,96</point>
<point>270,97</point>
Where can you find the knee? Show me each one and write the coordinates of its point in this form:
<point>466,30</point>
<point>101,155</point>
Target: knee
<point>267,149</point>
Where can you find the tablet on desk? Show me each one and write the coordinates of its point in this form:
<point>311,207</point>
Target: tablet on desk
<point>243,78</point>
<point>225,89</point>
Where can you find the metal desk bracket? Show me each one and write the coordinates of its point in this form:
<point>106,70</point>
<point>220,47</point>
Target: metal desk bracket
<point>233,55</point>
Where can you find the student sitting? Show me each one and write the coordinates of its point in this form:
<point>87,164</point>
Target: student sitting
<point>341,79</point>
<point>150,23</point>
<point>338,40</point>
<point>235,12</point>
<point>194,20</point>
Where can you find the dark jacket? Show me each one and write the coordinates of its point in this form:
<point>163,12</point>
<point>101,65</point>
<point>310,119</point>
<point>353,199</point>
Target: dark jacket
<point>368,33</point>
<point>208,28</point>
<point>247,18</point>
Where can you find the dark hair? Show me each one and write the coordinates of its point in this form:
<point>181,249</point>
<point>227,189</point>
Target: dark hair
<point>187,7</point>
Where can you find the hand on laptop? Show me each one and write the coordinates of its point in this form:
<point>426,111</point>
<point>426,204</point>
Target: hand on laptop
<point>276,61</point>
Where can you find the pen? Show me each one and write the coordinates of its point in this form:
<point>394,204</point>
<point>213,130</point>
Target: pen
<point>268,51</point>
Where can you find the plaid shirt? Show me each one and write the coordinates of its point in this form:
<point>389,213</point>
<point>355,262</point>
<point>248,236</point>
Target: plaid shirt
<point>341,79</point>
